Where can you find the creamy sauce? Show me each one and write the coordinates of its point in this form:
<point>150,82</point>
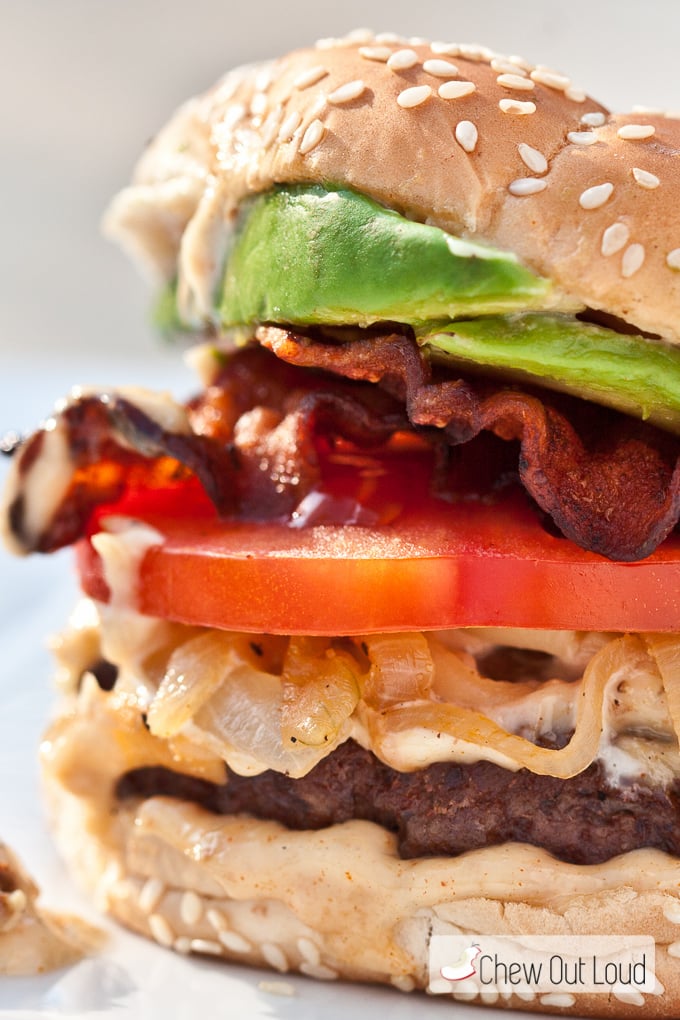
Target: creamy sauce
<point>122,547</point>
<point>633,744</point>
<point>42,488</point>
<point>42,471</point>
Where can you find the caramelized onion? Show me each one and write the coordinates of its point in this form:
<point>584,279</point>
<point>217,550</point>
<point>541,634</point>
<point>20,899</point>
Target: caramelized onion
<point>320,691</point>
<point>665,650</point>
<point>471,727</point>
<point>401,669</point>
<point>194,671</point>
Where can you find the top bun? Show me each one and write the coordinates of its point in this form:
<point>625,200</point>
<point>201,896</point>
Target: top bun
<point>484,146</point>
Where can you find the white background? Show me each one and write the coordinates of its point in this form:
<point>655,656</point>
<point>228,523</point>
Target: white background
<point>83,84</point>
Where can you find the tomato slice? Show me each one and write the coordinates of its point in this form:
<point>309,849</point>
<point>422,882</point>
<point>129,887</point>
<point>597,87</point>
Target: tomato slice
<point>413,562</point>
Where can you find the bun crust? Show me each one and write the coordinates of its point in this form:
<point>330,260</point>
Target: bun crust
<point>510,161</point>
<point>337,902</point>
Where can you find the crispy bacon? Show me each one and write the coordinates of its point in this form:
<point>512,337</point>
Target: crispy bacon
<point>610,483</point>
<point>250,441</point>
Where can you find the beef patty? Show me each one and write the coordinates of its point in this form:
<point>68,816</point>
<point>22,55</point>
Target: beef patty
<point>443,809</point>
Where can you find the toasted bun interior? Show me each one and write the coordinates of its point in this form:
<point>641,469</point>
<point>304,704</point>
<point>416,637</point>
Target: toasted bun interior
<point>338,902</point>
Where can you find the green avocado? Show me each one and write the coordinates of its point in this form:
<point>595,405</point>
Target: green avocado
<point>306,255</point>
<point>630,373</point>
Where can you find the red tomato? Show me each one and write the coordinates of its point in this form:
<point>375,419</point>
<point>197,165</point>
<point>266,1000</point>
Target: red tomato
<point>421,563</point>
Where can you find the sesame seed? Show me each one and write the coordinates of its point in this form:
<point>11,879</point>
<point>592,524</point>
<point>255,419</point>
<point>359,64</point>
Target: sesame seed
<point>515,81</point>
<point>632,998</point>
<point>271,125</point>
<point>593,198</point>
<point>418,40</point>
<point>277,987</point>
<point>473,52</point>
<point>456,89</point>
<point>319,971</point>
<point>389,37</point>
<point>289,126</point>
<point>217,919</point>
<point>489,996</point>
<point>528,996</point>
<point>191,908</point>
<point>311,137</point>
<point>466,135</point>
<point>359,35</point>
<point>641,108</point>
<point>440,68</point>
<point>673,949</point>
<point>671,907</point>
<point>233,115</point>
<point>594,119</point>
<point>444,49</point>
<point>582,137</point>
<point>235,942</point>
<point>576,95</point>
<point>161,930</point>
<point>633,258</point>
<point>502,66</point>
<point>614,238</point>
<point>414,96</point>
<point>182,945</point>
<point>404,982</point>
<point>526,186</point>
<point>517,107</point>
<point>347,92</point>
<point>673,262</point>
<point>520,62</point>
<point>646,179</point>
<point>379,53</point>
<point>151,892</point>
<point>544,76</point>
<point>310,77</point>
<point>402,60</point>
<point>532,158</point>
<point>259,104</point>
<point>309,950</point>
<point>561,1000</point>
<point>275,956</point>
<point>206,946</point>
<point>317,107</point>
<point>265,78</point>
<point>636,132</point>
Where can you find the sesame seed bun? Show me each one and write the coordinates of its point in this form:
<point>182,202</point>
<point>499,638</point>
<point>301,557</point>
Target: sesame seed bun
<point>337,903</point>
<point>484,146</point>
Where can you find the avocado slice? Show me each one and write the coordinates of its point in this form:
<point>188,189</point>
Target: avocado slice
<point>635,375</point>
<point>307,255</point>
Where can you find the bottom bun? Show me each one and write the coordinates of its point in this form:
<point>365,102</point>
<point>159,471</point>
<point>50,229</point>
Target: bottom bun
<point>340,902</point>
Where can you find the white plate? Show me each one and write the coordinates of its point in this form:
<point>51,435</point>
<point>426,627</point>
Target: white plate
<point>132,975</point>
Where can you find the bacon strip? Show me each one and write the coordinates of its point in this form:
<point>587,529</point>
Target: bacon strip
<point>250,442</point>
<point>610,483</point>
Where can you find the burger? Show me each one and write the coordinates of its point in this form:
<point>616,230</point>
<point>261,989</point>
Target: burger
<point>378,638</point>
